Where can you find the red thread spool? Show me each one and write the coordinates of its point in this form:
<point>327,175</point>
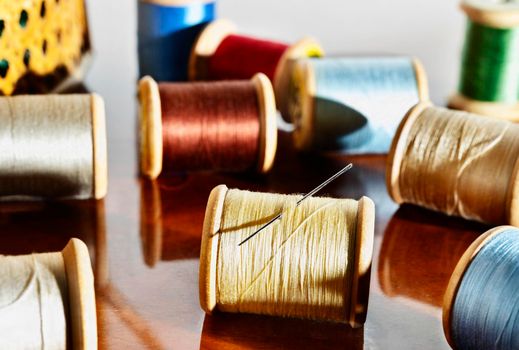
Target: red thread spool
<point>227,125</point>
<point>219,53</point>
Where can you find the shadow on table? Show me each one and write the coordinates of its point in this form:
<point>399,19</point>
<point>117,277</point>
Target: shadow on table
<point>420,250</point>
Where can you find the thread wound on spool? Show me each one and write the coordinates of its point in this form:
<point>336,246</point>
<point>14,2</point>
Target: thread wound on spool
<point>353,104</point>
<point>166,33</point>
<point>442,160</point>
<point>53,146</point>
<point>227,125</point>
<point>220,54</point>
<point>490,74</point>
<point>481,295</point>
<point>47,298</point>
<point>311,264</point>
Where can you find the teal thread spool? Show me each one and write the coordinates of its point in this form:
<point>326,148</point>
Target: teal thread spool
<point>354,104</point>
<point>481,304</point>
<point>489,81</point>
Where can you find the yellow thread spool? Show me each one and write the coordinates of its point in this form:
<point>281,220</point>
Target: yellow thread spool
<point>322,283</point>
<point>41,43</point>
<point>69,269</point>
<point>458,163</point>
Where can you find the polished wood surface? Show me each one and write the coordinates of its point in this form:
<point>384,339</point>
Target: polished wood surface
<point>144,241</point>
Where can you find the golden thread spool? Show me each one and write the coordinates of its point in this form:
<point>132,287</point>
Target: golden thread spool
<point>76,285</point>
<point>151,133</point>
<point>42,42</point>
<point>348,270</point>
<point>448,161</point>
<point>54,146</point>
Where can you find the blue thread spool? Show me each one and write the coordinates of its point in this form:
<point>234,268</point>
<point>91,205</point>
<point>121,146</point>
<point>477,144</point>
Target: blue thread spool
<point>167,30</point>
<point>481,305</point>
<point>353,104</point>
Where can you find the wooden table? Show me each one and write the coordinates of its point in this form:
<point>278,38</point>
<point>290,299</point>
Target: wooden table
<point>144,241</point>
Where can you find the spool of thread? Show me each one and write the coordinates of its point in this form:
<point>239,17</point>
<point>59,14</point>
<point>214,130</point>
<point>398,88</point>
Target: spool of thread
<point>458,163</point>
<point>220,54</point>
<point>228,126</point>
<point>433,244</point>
<point>42,43</point>
<point>481,305</point>
<point>48,301</point>
<point>167,30</point>
<point>353,104</point>
<point>313,263</point>
<point>53,146</point>
<point>489,81</point>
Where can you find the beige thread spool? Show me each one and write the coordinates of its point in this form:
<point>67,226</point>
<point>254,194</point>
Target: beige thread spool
<point>53,146</point>
<point>483,187</point>
<point>150,120</point>
<point>64,285</point>
<point>315,282</point>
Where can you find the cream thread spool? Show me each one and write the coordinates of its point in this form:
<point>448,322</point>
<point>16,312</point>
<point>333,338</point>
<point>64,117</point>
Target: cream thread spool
<point>311,293</point>
<point>48,300</point>
<point>424,166</point>
<point>53,146</point>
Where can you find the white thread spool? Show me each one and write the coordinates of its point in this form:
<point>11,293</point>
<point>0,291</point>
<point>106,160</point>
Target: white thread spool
<point>48,302</point>
<point>53,146</point>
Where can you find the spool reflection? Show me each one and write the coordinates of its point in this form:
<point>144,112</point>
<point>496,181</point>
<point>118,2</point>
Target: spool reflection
<point>419,252</point>
<point>36,227</point>
<point>172,214</point>
<point>261,332</point>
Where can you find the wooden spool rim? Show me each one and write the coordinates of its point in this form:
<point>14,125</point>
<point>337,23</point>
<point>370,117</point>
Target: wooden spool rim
<point>397,150</point>
<point>82,302</point>
<point>362,262</point>
<point>489,13</point>
<point>268,138</point>
<point>304,48</point>
<point>177,3</point>
<point>100,161</point>
<point>421,79</point>
<point>457,276</point>
<point>150,120</point>
<point>492,109</point>
<point>306,89</point>
<point>206,45</point>
<point>209,248</point>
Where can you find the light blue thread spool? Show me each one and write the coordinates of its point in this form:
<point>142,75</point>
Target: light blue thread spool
<point>166,35</point>
<point>481,307</point>
<point>353,104</point>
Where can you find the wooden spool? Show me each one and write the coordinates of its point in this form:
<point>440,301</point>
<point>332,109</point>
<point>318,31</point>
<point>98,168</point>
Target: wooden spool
<point>210,38</point>
<point>502,15</point>
<point>81,296</point>
<point>150,116</point>
<point>303,75</point>
<point>396,155</point>
<point>361,262</point>
<point>457,277</point>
